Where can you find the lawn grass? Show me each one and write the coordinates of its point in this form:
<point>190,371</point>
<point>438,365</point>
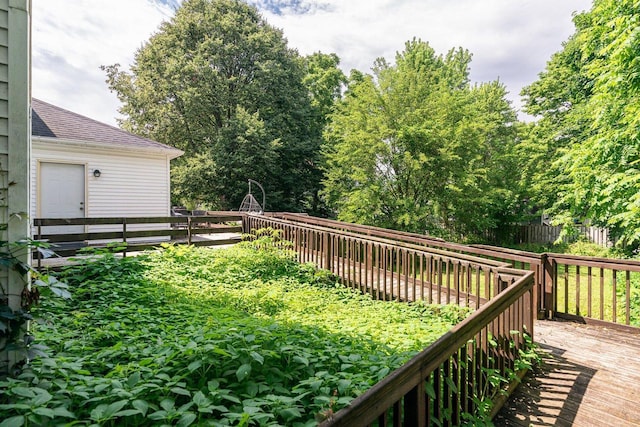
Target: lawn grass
<point>186,336</point>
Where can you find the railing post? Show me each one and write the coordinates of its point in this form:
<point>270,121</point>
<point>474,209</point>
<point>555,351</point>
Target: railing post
<point>326,244</point>
<point>538,287</point>
<point>246,224</point>
<point>189,230</point>
<point>39,253</point>
<point>124,236</point>
<point>548,285</point>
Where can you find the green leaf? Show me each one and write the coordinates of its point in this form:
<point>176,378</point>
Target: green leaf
<point>230,398</point>
<point>158,415</point>
<point>257,357</point>
<point>61,411</point>
<point>383,372</point>
<point>105,412</point>
<point>301,359</point>
<point>97,413</point>
<point>431,392</point>
<point>126,413</point>
<point>23,391</point>
<point>100,388</point>
<point>180,391</point>
<point>133,379</point>
<point>42,397</point>
<point>16,421</point>
<point>168,404</point>
<point>201,400</point>
<point>62,293</point>
<point>343,385</point>
<point>290,413</point>
<point>196,364</point>
<point>141,406</point>
<point>45,412</point>
<point>243,371</point>
<point>187,419</point>
<point>451,385</point>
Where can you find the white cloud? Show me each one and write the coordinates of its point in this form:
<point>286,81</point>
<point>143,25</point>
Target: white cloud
<point>510,39</point>
<point>71,39</point>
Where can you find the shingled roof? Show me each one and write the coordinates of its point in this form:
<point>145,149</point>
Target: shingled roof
<point>54,122</point>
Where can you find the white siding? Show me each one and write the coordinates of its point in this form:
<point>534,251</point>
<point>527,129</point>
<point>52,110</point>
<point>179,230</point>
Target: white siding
<point>131,184</point>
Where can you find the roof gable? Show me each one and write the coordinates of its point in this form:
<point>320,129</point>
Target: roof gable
<point>54,122</point>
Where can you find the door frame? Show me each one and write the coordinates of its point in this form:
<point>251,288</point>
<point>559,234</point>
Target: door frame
<point>39,184</point>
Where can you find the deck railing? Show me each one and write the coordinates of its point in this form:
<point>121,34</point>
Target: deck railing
<point>137,233</point>
<point>452,376</point>
<point>588,289</point>
<point>388,269</point>
<point>513,258</point>
<point>597,289</point>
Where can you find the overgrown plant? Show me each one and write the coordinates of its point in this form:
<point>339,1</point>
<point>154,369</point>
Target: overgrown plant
<point>238,336</point>
<point>14,334</point>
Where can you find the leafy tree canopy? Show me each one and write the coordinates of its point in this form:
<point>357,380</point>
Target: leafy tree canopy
<point>589,101</point>
<point>416,147</point>
<point>220,83</point>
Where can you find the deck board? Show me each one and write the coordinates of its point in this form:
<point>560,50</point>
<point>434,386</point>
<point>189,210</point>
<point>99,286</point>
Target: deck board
<point>590,377</point>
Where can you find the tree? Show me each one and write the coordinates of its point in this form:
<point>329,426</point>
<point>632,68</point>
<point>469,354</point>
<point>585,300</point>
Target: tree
<point>324,82</point>
<point>416,147</point>
<point>595,80</point>
<point>220,83</point>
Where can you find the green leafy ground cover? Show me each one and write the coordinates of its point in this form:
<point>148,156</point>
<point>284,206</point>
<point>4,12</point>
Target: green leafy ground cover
<point>227,337</point>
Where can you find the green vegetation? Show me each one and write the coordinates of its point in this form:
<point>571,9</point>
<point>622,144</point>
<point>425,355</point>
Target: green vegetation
<point>413,145</point>
<point>585,149</point>
<point>580,247</point>
<point>242,336</point>
<point>417,147</point>
<point>14,334</point>
<point>220,83</point>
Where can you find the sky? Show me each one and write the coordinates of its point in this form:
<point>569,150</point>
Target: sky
<point>511,40</point>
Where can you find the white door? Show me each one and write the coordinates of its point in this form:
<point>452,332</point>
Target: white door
<point>61,194</point>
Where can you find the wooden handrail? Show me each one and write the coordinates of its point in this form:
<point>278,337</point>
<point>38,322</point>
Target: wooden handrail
<point>135,220</point>
<point>586,261</point>
<point>366,408</point>
<point>389,240</point>
<point>549,287</point>
<point>400,271</point>
<point>126,228</point>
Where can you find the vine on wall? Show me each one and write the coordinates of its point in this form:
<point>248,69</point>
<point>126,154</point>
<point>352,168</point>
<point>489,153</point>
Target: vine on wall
<point>14,332</point>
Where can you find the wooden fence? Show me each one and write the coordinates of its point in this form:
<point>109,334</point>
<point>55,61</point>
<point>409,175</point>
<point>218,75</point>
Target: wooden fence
<point>587,289</point>
<point>135,233</point>
<point>548,234</point>
<point>452,376</point>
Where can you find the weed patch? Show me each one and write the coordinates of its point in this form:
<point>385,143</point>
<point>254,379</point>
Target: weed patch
<point>242,336</point>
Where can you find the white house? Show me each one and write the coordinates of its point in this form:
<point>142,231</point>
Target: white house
<point>83,168</point>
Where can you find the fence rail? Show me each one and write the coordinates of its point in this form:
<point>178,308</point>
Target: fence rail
<point>449,378</point>
<point>134,232</point>
<point>588,289</point>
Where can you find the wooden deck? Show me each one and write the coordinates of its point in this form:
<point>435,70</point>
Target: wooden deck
<point>590,377</point>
